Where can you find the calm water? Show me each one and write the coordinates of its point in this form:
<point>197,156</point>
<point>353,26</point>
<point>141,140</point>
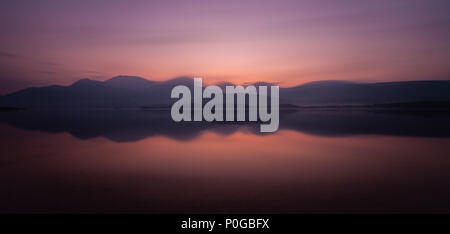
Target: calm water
<point>138,161</point>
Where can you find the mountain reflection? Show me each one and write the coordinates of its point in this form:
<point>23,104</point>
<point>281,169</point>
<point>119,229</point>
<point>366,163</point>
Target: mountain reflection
<point>134,125</point>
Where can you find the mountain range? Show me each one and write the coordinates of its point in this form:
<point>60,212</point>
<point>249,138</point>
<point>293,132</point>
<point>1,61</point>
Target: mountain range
<point>133,91</point>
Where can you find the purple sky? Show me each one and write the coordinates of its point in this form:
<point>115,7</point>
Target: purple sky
<point>289,42</point>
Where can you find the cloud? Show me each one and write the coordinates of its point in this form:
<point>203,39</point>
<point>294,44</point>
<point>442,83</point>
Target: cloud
<point>51,64</point>
<point>10,55</point>
<point>47,72</point>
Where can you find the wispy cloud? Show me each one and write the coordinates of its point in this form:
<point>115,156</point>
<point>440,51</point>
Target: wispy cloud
<point>10,55</point>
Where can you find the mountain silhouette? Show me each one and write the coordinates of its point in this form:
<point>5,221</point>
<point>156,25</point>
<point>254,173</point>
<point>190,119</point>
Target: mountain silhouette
<point>117,92</point>
<point>130,82</point>
<point>133,91</point>
<point>351,93</point>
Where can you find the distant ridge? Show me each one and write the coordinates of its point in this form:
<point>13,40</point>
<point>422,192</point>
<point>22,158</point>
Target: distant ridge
<point>350,93</point>
<point>133,91</point>
<point>130,82</point>
<point>117,92</point>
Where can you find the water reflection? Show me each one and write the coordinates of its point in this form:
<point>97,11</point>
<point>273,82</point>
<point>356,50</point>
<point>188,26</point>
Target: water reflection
<point>150,164</point>
<point>134,125</point>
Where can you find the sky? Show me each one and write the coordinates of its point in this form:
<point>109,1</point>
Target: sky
<point>285,42</point>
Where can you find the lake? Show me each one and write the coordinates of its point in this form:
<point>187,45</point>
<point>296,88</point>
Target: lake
<point>332,161</point>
